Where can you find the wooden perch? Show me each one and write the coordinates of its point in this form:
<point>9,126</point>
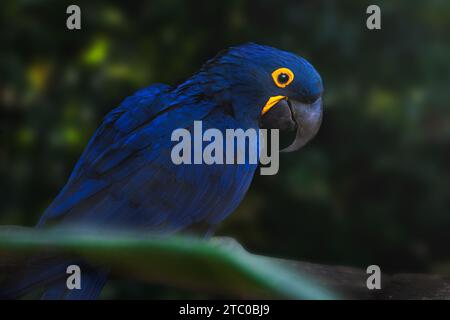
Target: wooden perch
<point>351,283</point>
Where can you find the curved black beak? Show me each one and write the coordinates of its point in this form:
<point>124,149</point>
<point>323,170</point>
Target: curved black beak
<point>289,114</point>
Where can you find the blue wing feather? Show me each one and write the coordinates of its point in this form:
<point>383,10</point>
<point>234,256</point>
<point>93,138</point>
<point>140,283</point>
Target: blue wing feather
<point>126,177</point>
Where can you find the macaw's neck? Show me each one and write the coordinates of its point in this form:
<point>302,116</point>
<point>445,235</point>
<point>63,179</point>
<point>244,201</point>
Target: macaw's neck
<point>236,99</point>
<point>247,109</point>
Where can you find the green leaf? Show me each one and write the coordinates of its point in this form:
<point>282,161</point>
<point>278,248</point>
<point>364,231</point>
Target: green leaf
<point>210,266</point>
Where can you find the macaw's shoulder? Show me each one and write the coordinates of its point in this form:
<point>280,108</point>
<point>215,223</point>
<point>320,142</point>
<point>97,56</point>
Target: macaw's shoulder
<point>138,108</point>
<point>132,113</point>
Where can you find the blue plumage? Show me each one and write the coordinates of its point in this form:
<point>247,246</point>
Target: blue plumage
<point>125,176</point>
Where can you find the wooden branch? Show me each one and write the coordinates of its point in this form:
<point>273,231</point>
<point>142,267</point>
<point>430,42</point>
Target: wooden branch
<point>351,283</point>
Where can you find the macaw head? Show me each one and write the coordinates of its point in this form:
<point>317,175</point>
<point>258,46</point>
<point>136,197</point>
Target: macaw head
<point>261,84</point>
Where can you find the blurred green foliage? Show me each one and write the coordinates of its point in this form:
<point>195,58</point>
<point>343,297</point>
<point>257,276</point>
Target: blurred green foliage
<point>372,188</point>
<point>220,266</point>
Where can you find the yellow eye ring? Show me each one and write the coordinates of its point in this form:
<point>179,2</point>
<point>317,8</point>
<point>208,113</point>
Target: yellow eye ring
<point>282,77</point>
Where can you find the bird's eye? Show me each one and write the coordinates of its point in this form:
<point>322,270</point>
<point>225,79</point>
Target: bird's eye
<point>282,77</point>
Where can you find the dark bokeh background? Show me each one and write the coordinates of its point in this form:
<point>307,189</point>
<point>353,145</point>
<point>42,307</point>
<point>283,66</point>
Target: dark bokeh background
<point>372,188</point>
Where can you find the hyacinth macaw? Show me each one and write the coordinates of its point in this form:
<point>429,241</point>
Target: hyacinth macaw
<point>125,176</point>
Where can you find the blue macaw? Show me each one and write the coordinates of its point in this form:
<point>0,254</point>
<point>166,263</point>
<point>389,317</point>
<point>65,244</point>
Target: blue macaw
<point>125,176</point>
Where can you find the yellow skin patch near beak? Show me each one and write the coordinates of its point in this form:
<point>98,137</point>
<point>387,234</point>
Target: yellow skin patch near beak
<point>271,102</point>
